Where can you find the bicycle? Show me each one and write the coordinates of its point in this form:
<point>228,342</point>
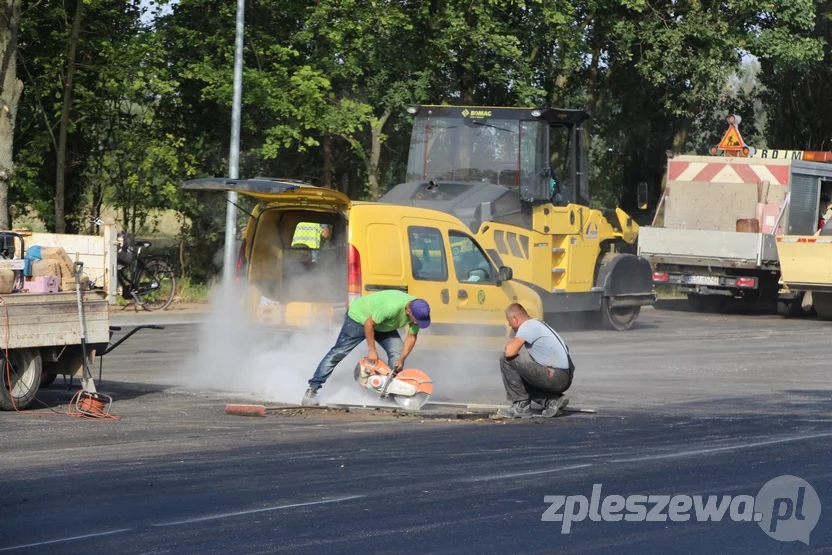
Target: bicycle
<point>151,283</point>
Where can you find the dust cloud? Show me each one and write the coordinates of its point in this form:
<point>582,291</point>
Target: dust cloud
<point>234,355</point>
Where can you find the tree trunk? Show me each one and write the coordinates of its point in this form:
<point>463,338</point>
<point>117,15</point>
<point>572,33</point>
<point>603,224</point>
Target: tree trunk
<point>9,98</point>
<point>592,100</point>
<point>681,136</point>
<point>327,162</point>
<point>375,153</point>
<point>60,183</point>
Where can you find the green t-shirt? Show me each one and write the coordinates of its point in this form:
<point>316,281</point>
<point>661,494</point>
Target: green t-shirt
<point>386,308</point>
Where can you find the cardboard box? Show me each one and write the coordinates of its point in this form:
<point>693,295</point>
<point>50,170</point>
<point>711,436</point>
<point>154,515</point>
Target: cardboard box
<point>45,268</point>
<point>68,284</point>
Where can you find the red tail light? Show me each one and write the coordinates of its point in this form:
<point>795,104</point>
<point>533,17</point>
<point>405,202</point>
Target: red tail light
<point>746,282</point>
<point>241,262</point>
<point>354,285</point>
<point>662,277</point>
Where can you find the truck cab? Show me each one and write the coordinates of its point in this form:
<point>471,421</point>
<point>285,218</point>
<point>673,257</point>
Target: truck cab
<point>714,237</point>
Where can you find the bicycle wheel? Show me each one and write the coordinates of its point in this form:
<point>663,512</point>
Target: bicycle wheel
<point>156,285</point>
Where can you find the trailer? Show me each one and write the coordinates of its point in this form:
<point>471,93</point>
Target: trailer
<point>806,267</point>
<point>41,333</point>
<point>721,216</point>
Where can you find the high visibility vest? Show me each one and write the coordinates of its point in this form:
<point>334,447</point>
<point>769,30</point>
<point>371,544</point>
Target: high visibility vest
<point>309,234</point>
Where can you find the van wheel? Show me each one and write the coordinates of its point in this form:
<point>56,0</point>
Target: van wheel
<point>21,378</point>
<point>618,318</point>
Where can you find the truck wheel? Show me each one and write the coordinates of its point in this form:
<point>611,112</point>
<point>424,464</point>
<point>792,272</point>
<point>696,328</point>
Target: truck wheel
<point>618,318</point>
<point>707,303</point>
<point>794,307</point>
<point>823,305</point>
<point>24,370</point>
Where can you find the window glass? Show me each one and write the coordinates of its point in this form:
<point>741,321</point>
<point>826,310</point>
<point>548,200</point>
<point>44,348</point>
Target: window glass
<point>470,263</point>
<point>427,254</point>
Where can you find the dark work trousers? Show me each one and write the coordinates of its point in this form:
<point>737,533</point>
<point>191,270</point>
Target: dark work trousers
<point>525,379</point>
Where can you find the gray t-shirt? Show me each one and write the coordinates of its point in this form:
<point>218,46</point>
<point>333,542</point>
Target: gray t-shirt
<point>543,344</point>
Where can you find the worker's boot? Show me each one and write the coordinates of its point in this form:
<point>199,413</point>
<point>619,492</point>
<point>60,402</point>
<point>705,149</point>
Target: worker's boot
<point>554,406</point>
<point>518,409</point>
<point>310,398</point>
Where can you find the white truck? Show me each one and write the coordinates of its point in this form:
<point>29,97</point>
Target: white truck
<point>721,216</point>
<point>41,333</point>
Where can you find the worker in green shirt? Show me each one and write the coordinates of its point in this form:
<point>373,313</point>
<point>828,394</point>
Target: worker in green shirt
<point>374,317</point>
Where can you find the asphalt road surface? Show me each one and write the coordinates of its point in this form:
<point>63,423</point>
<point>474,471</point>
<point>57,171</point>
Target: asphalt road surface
<point>688,406</point>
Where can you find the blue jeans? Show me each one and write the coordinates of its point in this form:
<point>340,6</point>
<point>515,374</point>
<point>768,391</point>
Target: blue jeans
<point>352,333</point>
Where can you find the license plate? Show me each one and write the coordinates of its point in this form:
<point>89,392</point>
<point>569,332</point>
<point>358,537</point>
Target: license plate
<point>704,280</point>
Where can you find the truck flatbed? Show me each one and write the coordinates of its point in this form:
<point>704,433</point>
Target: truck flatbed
<point>708,248</point>
<point>32,320</point>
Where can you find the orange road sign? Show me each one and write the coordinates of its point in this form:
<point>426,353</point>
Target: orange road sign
<point>731,141</point>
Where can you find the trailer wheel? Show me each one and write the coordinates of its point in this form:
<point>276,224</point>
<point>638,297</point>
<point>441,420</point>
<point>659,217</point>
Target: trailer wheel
<point>24,372</point>
<point>619,318</point>
<point>823,305</point>
<point>47,378</point>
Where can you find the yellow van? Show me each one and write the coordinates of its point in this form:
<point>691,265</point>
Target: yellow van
<point>295,278</point>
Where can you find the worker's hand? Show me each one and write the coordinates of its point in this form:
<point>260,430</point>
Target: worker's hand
<point>372,357</point>
<point>399,366</point>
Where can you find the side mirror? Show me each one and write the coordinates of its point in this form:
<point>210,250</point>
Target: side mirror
<point>642,195</point>
<point>505,273</point>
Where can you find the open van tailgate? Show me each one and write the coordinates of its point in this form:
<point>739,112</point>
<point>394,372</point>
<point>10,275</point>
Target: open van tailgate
<point>806,262</point>
<point>696,247</point>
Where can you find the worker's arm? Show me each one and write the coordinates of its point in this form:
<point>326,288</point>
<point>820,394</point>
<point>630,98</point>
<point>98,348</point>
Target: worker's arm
<point>409,343</point>
<point>513,347</point>
<point>370,335</point>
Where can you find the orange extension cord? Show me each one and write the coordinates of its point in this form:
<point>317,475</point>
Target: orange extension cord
<point>88,407</point>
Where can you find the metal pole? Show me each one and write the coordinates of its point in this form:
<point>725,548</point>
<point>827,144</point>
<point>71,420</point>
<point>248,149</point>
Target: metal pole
<point>234,154</point>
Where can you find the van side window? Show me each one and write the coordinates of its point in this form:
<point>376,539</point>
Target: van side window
<point>427,254</point>
<point>470,263</point>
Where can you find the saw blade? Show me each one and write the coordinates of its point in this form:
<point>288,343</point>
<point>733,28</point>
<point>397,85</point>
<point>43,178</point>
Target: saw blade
<point>414,402</point>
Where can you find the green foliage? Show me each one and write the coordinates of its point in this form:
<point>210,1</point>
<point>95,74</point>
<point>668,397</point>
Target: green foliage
<point>326,82</point>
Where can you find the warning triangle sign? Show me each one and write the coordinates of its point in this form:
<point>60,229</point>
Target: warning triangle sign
<point>731,141</point>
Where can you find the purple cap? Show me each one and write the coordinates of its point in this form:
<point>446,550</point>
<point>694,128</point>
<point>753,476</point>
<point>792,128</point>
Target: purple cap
<point>421,312</point>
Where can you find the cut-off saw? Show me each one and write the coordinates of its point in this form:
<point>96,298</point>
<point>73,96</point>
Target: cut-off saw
<point>410,388</point>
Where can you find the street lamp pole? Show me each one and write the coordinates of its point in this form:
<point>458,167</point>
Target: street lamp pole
<point>234,154</point>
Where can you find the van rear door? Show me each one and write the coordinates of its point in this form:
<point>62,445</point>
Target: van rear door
<point>273,191</point>
<point>277,296</point>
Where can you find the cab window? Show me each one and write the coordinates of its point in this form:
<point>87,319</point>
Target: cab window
<point>470,263</point>
<point>427,254</point>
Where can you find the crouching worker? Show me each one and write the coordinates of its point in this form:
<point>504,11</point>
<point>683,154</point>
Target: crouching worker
<point>536,366</point>
<point>374,317</point>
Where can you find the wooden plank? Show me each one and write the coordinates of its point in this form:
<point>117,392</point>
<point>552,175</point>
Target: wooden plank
<point>51,319</point>
<point>84,244</point>
<point>55,338</point>
<point>69,297</point>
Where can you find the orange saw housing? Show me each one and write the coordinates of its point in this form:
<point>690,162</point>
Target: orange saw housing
<point>417,378</point>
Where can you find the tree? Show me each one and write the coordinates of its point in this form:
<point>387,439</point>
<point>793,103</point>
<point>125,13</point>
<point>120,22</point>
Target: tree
<point>10,13</point>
